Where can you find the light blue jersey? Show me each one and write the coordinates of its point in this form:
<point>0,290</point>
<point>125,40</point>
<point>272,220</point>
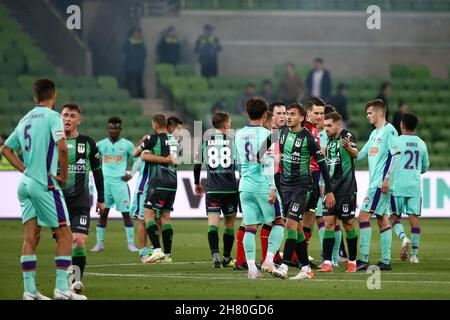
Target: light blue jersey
<point>413,162</point>
<point>323,138</point>
<point>255,177</point>
<point>36,135</point>
<point>381,146</point>
<point>115,157</point>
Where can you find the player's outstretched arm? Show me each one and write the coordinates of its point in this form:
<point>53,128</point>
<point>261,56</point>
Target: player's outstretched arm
<point>349,145</point>
<point>13,159</point>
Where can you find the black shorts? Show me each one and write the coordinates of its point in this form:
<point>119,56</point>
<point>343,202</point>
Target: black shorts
<point>160,199</point>
<point>315,194</point>
<point>344,208</point>
<point>294,203</point>
<point>227,203</point>
<point>79,220</point>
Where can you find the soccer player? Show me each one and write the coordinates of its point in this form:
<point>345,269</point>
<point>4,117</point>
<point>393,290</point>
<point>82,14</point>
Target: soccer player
<point>40,137</point>
<point>116,153</point>
<point>383,152</point>
<point>217,151</point>
<point>297,145</point>
<point>407,195</point>
<point>83,158</point>
<point>315,112</point>
<point>162,187</point>
<point>257,186</point>
<point>341,156</point>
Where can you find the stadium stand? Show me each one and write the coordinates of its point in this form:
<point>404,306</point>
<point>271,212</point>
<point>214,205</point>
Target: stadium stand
<point>21,63</point>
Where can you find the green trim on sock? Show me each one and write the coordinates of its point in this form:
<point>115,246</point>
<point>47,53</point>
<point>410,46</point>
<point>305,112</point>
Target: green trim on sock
<point>78,252</point>
<point>166,226</point>
<point>328,234</point>
<point>149,223</point>
<point>291,234</point>
<point>213,228</point>
<point>351,234</point>
<point>229,231</point>
<point>301,237</point>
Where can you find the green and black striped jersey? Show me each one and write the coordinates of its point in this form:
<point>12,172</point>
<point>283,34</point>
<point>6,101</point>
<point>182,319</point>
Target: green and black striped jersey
<point>83,157</point>
<point>217,151</point>
<point>163,176</point>
<point>341,165</point>
<point>296,149</point>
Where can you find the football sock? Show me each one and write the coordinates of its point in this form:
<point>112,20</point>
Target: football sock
<point>386,244</point>
<point>342,251</point>
<point>28,264</point>
<point>167,236</point>
<point>289,245</point>
<point>250,244</point>
<point>301,249</point>
<point>352,243</point>
<point>307,232</point>
<point>399,230</point>
<point>213,238</point>
<point>101,229</point>
<point>240,252</point>
<point>415,239</point>
<point>321,226</point>
<point>275,238</point>
<point>337,243</point>
<point>79,259</point>
<point>365,235</point>
<point>153,234</point>
<point>328,244</point>
<point>129,232</point>
<point>228,240</point>
<point>62,264</point>
<point>264,237</point>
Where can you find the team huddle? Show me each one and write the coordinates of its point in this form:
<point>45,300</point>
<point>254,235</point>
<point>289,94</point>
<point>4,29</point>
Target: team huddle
<point>296,169</point>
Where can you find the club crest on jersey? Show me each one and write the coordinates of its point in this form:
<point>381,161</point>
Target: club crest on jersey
<point>81,148</point>
<point>366,199</point>
<point>298,142</point>
<point>122,150</point>
<point>379,140</point>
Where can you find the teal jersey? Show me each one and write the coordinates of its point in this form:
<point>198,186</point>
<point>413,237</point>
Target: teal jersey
<point>256,176</point>
<point>36,135</point>
<point>381,146</point>
<point>323,138</point>
<point>413,162</point>
<point>144,176</point>
<point>115,157</point>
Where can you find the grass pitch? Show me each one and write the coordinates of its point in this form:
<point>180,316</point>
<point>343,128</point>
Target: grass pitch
<point>118,274</point>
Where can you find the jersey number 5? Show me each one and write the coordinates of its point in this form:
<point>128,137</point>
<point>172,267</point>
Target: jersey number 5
<point>27,138</point>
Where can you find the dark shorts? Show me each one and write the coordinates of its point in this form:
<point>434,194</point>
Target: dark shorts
<point>226,203</point>
<point>160,199</point>
<point>315,194</point>
<point>294,203</point>
<point>79,220</point>
<point>344,208</point>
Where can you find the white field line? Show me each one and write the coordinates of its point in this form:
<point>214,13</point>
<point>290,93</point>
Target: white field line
<point>208,277</point>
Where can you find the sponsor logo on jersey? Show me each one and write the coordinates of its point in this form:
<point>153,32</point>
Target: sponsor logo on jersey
<point>70,146</point>
<point>81,148</point>
<point>78,167</point>
<point>373,151</point>
<point>112,159</point>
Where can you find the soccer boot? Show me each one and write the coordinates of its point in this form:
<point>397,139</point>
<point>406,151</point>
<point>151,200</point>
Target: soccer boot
<point>77,287</point>
<point>304,274</point>
<point>361,265</point>
<point>144,257</point>
<point>351,267</point>
<point>167,258</point>
<point>268,267</point>
<point>342,259</point>
<point>404,251</point>
<point>326,267</point>
<point>384,266</point>
<point>216,262</point>
<point>414,259</point>
<point>227,262</point>
<point>281,272</point>
<point>132,247</point>
<point>98,247</point>
<point>35,296</point>
<point>254,275</point>
<point>155,257</point>
<point>68,295</point>
<point>240,267</point>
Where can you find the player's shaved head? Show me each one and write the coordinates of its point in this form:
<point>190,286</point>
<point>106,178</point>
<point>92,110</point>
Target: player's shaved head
<point>256,107</point>
<point>44,90</point>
